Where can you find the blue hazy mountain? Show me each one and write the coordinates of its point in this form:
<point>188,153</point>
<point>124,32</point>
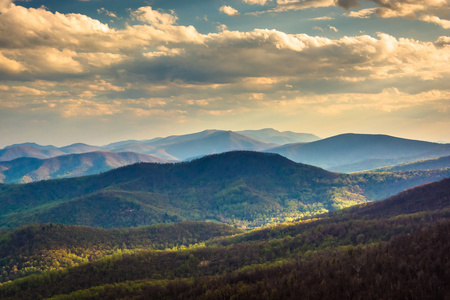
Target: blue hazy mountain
<point>357,152</point>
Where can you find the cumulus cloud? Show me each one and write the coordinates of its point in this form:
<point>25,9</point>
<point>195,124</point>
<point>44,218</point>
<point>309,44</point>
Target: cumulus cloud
<point>228,10</point>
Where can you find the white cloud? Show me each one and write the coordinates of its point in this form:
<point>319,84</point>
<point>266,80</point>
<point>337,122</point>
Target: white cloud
<point>228,10</point>
<point>362,14</point>
<point>10,66</point>
<point>322,19</point>
<point>153,17</point>
<point>436,20</point>
<point>256,2</point>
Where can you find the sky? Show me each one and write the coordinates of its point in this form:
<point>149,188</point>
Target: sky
<point>101,71</point>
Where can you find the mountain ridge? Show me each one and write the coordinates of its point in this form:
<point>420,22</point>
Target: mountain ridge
<point>26,169</point>
<point>243,188</point>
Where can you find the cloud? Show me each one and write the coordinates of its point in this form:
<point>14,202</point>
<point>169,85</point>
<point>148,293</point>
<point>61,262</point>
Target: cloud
<point>106,12</point>
<point>436,20</point>
<point>286,5</point>
<point>10,66</point>
<point>347,4</point>
<point>153,17</point>
<point>434,11</point>
<point>322,19</point>
<point>425,10</point>
<point>228,10</point>
<point>332,28</point>
<point>256,2</point>
<point>443,41</point>
<point>362,14</point>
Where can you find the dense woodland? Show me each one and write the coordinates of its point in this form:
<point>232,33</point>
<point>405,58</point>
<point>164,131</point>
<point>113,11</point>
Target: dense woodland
<point>246,189</point>
<point>391,249</point>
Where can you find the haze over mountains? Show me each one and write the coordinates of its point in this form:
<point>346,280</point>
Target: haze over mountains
<point>357,152</point>
<point>28,169</point>
<point>341,153</point>
<point>246,189</point>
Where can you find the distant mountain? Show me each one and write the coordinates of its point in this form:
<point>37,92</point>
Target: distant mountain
<point>26,169</point>
<point>13,152</point>
<point>246,189</point>
<point>183,147</point>
<point>34,145</point>
<point>358,152</point>
<point>270,135</point>
<point>79,148</point>
<point>427,164</point>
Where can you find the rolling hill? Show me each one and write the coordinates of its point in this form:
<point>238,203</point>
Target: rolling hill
<point>55,246</point>
<point>356,253</point>
<point>246,189</point>
<point>24,170</point>
<point>358,152</point>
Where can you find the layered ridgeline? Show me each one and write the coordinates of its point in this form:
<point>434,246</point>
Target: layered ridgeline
<point>398,248</point>
<point>176,147</point>
<point>341,153</point>
<point>27,169</point>
<point>247,189</point>
<point>358,152</point>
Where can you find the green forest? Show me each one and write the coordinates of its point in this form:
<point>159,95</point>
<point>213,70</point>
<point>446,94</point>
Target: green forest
<point>396,248</point>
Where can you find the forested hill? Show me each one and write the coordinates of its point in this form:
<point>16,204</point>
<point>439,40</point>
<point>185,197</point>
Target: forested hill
<point>350,254</point>
<point>42,247</point>
<point>247,189</point>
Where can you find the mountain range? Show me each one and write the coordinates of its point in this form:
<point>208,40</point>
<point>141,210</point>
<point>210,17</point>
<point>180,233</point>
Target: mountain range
<point>343,153</point>
<point>358,152</point>
<point>242,188</point>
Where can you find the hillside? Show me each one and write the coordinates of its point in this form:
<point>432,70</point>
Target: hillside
<point>358,152</point>
<point>426,164</point>
<point>24,170</point>
<point>352,253</point>
<point>39,247</point>
<point>247,189</point>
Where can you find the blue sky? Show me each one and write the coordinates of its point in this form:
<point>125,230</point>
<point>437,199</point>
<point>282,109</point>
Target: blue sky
<point>108,70</point>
